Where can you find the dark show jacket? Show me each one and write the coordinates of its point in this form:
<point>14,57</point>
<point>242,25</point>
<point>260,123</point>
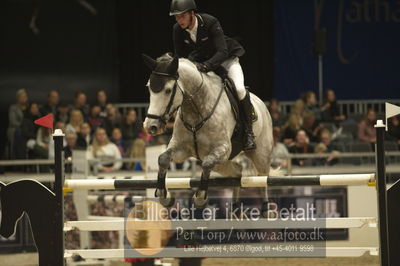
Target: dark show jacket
<point>212,47</point>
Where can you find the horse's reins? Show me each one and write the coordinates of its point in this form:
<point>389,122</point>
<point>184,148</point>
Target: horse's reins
<point>186,96</point>
<point>198,126</point>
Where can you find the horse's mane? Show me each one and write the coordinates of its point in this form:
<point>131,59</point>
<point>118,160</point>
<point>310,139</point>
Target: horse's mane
<point>187,67</point>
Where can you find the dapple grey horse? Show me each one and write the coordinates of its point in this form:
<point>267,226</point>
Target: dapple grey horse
<point>204,123</point>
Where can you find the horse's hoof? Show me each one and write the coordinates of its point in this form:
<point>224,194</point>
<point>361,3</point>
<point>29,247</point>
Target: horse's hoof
<point>200,199</point>
<point>167,202</point>
<point>160,193</point>
<point>265,213</point>
<point>164,197</point>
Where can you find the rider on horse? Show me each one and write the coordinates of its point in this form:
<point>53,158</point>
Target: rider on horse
<point>200,38</point>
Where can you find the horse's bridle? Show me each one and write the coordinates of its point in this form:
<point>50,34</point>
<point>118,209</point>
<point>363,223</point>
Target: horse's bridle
<point>163,118</point>
<point>186,97</point>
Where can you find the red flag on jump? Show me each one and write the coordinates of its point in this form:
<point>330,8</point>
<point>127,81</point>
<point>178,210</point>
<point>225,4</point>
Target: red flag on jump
<point>45,121</point>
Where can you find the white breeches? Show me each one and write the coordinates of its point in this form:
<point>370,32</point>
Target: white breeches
<point>235,72</point>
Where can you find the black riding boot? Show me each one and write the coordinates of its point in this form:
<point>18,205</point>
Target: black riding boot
<point>247,109</point>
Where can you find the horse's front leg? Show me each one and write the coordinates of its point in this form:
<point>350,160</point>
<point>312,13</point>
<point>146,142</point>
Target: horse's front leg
<point>218,155</point>
<point>173,153</point>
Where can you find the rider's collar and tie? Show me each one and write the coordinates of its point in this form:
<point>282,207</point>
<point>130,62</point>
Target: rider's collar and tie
<point>193,32</point>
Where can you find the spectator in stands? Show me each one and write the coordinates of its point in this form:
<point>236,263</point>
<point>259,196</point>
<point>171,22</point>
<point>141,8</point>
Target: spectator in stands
<point>130,127</point>
<point>326,140</point>
<point>28,131</point>
<point>62,113</point>
<point>84,136</point>
<point>94,119</point>
<point>15,117</point>
<point>138,150</point>
<point>330,108</point>
<point>80,104</point>
<point>280,153</point>
<point>116,138</point>
<point>102,102</point>
<point>113,119</point>
<point>70,139</point>
<point>51,106</point>
<point>302,145</point>
<point>41,149</point>
<point>290,129</point>
<point>75,121</point>
<point>102,148</point>
<point>366,130</point>
<point>310,104</point>
<point>59,125</point>
<point>394,129</point>
<point>275,112</point>
<point>320,148</point>
<point>298,108</point>
<point>311,126</point>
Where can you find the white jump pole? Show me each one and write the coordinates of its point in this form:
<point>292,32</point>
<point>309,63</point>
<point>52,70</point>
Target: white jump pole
<point>251,181</point>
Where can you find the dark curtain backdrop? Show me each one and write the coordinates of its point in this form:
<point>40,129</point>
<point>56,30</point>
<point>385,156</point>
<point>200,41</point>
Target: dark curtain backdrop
<point>363,48</point>
<point>145,27</point>
<point>78,51</point>
<point>74,50</point>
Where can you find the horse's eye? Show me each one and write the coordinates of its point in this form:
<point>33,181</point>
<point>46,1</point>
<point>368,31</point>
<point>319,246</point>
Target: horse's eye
<point>167,91</point>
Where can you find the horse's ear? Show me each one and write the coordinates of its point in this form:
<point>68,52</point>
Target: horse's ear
<point>173,66</point>
<point>149,62</point>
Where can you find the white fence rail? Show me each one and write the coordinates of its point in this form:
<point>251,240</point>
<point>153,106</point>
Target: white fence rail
<point>349,107</point>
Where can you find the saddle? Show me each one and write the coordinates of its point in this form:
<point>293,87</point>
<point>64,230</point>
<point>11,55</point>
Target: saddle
<point>238,135</point>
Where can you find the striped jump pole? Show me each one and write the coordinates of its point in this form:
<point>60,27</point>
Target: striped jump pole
<point>113,198</point>
<point>251,181</point>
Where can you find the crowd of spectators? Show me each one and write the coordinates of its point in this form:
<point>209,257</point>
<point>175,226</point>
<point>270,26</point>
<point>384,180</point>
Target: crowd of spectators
<point>99,128</point>
<point>310,128</point>
<point>106,133</point>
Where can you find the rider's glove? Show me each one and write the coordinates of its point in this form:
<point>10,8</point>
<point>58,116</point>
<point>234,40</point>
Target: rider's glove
<point>202,67</point>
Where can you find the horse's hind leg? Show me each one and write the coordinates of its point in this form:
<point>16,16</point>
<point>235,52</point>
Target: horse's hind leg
<point>262,162</point>
<point>230,169</point>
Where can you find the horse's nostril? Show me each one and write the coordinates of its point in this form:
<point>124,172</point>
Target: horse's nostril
<point>153,129</point>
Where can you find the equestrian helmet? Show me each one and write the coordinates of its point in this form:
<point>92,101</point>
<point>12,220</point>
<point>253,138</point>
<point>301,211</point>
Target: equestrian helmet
<point>181,6</point>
